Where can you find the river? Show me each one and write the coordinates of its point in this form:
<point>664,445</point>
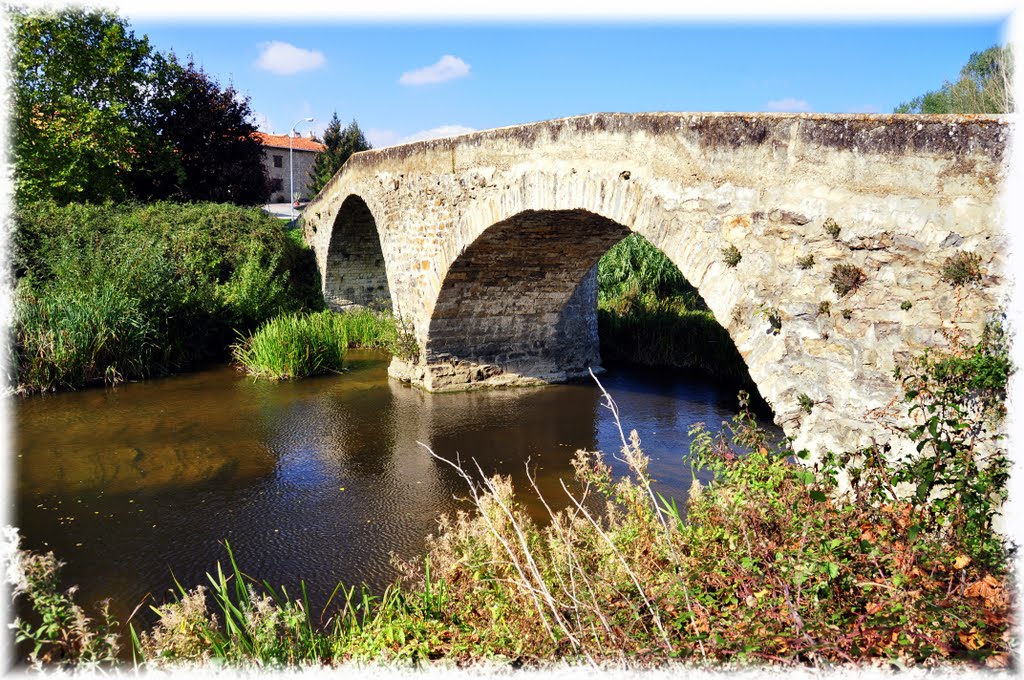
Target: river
<point>320,479</point>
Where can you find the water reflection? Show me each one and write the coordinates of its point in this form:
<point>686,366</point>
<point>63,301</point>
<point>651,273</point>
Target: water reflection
<point>320,479</point>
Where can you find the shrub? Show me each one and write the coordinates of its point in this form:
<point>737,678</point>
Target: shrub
<point>906,305</point>
<point>805,262</point>
<point>962,268</point>
<point>806,403</point>
<point>846,278</point>
<point>731,255</point>
<point>150,289</point>
<point>832,228</point>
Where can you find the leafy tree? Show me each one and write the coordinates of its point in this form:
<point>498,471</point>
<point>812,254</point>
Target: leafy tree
<point>215,153</point>
<point>80,80</point>
<point>985,85</point>
<point>340,143</point>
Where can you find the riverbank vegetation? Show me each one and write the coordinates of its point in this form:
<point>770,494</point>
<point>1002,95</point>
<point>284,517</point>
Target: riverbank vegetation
<point>774,562</point>
<point>114,292</point>
<point>299,345</point>
<point>649,314</point>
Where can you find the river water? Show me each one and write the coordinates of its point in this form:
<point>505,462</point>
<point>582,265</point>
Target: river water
<point>319,479</point>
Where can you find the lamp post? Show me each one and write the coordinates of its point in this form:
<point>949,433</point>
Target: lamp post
<point>291,175</point>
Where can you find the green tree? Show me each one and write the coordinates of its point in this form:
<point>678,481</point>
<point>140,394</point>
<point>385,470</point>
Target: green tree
<point>80,81</point>
<point>340,143</point>
<point>985,85</point>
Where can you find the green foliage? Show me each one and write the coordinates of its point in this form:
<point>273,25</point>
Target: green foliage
<point>805,262</point>
<point>985,85</point>
<point>832,228</point>
<point>824,308</point>
<point>960,472</point>
<point>847,313</point>
<point>806,403</point>
<point>99,116</point>
<point>731,255</point>
<point>300,345</point>
<point>645,330</point>
<point>78,85</point>
<point>906,305</point>
<point>340,143</point>
<point>112,292</point>
<point>57,629</point>
<point>846,278</point>
<point>773,316</point>
<point>634,264</point>
<point>962,268</point>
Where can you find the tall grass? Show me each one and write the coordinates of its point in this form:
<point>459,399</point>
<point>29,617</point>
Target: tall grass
<point>295,346</point>
<point>111,292</point>
<point>300,345</point>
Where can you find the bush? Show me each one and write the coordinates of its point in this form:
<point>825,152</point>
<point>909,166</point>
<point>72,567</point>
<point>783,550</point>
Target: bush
<point>172,282</point>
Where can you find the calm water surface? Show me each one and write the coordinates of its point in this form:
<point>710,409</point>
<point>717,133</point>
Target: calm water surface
<point>320,479</point>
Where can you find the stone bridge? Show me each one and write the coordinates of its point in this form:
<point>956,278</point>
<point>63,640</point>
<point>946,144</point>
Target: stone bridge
<point>486,245</point>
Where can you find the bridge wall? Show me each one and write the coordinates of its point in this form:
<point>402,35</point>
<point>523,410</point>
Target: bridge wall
<point>494,235</point>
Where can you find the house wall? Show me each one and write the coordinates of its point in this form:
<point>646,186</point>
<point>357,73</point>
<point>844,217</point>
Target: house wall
<point>302,161</point>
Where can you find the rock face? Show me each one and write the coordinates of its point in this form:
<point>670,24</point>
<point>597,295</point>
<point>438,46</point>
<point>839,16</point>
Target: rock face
<point>486,246</point>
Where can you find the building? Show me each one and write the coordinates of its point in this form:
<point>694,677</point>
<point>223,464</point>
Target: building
<point>275,160</point>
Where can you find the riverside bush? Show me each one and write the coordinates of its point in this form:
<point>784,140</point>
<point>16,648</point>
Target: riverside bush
<point>173,283</point>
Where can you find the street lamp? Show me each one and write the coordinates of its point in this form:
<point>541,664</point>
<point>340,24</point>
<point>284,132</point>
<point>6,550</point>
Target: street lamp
<point>291,175</point>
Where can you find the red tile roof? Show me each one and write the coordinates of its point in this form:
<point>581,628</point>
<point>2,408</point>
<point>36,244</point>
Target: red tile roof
<point>298,143</point>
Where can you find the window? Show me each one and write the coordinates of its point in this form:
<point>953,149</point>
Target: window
<point>278,161</point>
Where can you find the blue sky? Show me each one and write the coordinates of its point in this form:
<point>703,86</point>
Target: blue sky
<point>487,74</point>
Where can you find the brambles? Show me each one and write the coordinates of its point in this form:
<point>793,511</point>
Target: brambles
<point>731,255</point>
<point>805,262</point>
<point>846,278</point>
<point>832,228</point>
<point>962,268</point>
<point>806,403</point>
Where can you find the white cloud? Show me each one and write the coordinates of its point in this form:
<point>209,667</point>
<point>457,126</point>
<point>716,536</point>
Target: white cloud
<point>284,59</point>
<point>789,104</point>
<point>446,68</point>
<point>436,133</point>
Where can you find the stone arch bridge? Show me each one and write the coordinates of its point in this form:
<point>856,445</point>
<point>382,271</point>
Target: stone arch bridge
<point>486,245</point>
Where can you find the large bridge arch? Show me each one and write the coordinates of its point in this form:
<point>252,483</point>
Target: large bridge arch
<point>354,271</point>
<point>906,192</point>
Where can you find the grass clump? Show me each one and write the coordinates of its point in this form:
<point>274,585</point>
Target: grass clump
<point>824,308</point>
<point>847,313</point>
<point>962,268</point>
<point>846,278</point>
<point>831,228</point>
<point>805,262</point>
<point>731,255</point>
<point>805,401</point>
<point>299,345</point>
